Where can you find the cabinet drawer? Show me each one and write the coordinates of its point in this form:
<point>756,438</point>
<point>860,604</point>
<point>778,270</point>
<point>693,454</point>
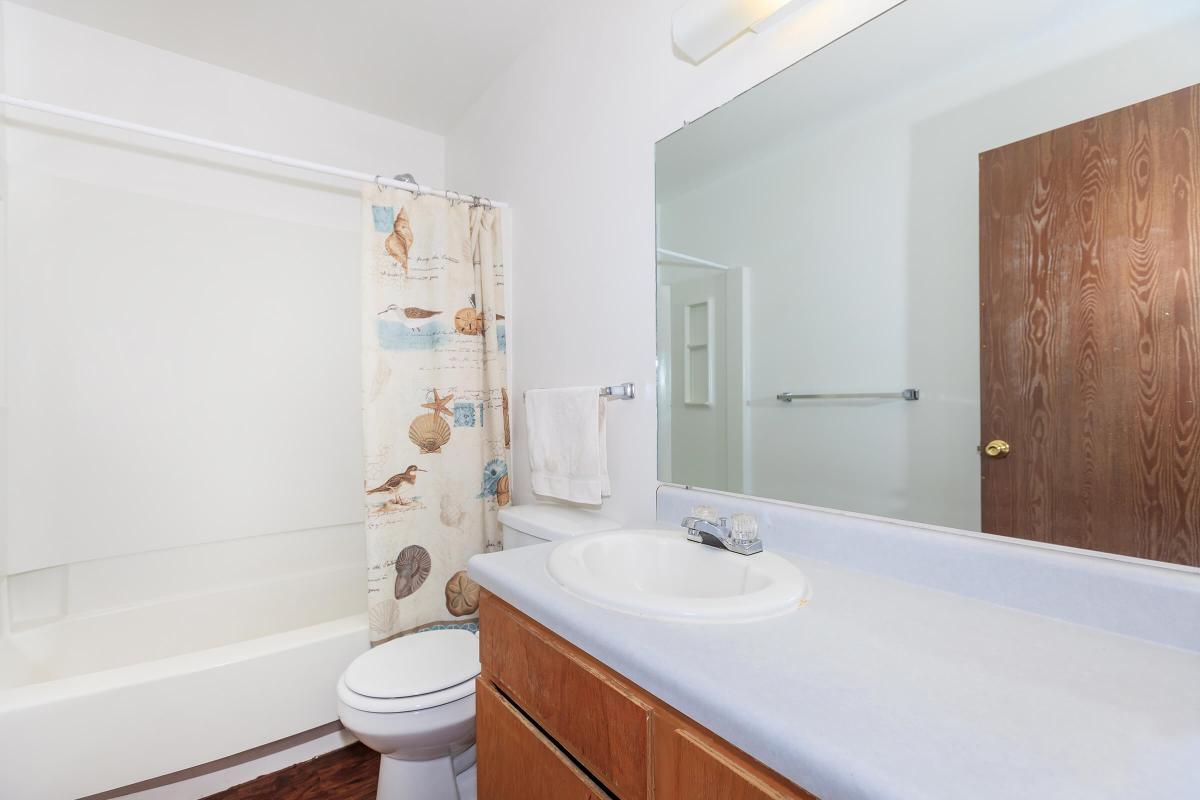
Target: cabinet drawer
<point>689,764</point>
<point>516,762</point>
<point>601,722</point>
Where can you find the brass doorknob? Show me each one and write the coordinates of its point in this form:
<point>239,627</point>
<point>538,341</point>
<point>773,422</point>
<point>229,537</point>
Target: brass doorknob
<point>997,448</point>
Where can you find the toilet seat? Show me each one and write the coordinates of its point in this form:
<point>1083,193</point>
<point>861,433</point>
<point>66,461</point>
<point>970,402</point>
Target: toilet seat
<point>415,672</point>
<point>398,705</point>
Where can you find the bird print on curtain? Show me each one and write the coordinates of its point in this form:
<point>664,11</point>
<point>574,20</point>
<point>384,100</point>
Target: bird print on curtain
<point>435,405</point>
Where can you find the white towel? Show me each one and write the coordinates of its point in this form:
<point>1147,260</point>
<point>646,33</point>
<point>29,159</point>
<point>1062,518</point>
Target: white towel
<point>568,454</point>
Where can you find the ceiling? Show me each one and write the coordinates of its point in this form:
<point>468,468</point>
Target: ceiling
<point>422,62</point>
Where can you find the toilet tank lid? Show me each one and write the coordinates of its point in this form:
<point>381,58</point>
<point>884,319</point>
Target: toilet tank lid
<point>553,522</point>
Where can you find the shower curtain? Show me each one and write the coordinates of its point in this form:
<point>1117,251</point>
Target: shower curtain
<point>435,406</point>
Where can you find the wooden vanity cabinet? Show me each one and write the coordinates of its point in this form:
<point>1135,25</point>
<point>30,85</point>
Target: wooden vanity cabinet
<point>553,722</point>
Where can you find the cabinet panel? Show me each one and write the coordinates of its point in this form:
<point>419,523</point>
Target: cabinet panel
<point>601,722</point>
<point>516,762</point>
<point>692,764</point>
<point>636,745</point>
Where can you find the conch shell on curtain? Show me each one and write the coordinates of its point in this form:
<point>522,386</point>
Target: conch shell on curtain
<point>435,405</point>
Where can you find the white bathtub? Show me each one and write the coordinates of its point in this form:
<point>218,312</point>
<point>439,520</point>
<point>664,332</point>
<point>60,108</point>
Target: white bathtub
<point>103,700</point>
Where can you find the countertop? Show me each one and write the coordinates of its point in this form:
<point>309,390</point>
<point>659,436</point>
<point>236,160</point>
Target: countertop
<point>883,690</point>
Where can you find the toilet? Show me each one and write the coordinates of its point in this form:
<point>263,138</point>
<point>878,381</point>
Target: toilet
<point>413,699</point>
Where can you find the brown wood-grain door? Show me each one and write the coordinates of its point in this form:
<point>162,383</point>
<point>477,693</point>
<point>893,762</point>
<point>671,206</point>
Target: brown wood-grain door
<point>1090,332</point>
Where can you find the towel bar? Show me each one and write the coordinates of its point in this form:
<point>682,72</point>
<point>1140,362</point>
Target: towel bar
<point>620,391</point>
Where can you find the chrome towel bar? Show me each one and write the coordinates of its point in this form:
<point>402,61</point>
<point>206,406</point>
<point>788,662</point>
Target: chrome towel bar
<point>622,391</point>
<point>907,394</point>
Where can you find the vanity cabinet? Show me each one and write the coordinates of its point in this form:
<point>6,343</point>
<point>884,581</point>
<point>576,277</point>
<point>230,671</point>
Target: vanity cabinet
<point>553,722</point>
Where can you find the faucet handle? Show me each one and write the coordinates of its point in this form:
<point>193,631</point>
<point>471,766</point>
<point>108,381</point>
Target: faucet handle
<point>743,528</point>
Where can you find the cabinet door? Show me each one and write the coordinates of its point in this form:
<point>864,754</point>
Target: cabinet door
<point>690,764</point>
<point>601,722</point>
<point>516,762</point>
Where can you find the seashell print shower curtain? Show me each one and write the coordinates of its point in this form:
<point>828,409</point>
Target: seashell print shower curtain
<point>435,406</point>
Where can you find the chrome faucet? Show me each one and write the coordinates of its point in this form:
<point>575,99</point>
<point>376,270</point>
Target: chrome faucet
<point>717,534</point>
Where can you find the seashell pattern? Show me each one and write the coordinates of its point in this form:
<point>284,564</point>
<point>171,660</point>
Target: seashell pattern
<point>507,425</point>
<point>383,617</point>
<point>413,566</point>
<point>495,471</point>
<point>468,321</point>
<point>399,241</point>
<point>451,513</point>
<point>462,594</point>
<point>429,432</point>
<point>433,276</point>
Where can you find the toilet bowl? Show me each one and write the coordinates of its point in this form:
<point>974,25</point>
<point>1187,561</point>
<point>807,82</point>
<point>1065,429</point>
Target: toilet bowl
<point>413,699</point>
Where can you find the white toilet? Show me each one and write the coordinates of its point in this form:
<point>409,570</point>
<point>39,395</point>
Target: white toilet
<point>413,698</point>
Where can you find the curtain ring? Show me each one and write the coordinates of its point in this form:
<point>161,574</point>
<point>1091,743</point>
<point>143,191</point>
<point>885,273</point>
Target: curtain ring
<point>407,177</point>
<point>378,185</point>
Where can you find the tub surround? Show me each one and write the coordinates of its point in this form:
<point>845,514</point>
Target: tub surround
<point>880,689</point>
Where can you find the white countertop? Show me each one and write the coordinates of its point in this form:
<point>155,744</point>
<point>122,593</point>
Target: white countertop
<point>883,690</point>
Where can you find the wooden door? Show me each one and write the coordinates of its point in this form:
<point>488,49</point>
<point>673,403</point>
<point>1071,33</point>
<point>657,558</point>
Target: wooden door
<point>1090,332</point>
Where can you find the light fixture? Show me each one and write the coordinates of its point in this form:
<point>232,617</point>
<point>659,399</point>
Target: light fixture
<point>700,28</point>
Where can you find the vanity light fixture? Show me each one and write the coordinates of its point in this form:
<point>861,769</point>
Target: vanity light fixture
<point>700,28</point>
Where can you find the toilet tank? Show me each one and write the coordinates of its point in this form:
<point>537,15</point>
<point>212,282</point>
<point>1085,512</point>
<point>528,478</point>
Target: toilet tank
<point>536,523</point>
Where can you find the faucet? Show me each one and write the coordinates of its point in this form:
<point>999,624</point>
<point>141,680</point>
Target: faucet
<point>717,534</point>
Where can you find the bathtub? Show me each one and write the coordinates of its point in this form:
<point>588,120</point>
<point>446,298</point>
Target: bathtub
<point>98,701</point>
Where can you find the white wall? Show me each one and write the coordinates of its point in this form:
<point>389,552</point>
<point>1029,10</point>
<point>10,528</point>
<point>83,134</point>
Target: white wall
<point>603,86</point>
<point>182,335</point>
<point>861,234</point>
<point>567,135</point>
<point>3,355</point>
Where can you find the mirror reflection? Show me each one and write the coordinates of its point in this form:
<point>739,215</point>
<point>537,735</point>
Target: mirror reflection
<point>954,281</point>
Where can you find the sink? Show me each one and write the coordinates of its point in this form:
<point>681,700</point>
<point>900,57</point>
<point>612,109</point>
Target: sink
<point>660,574</point>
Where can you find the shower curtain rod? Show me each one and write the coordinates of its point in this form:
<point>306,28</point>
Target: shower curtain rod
<point>311,166</point>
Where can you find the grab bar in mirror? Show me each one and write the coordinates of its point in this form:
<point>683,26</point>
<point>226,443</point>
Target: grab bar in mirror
<point>907,394</point>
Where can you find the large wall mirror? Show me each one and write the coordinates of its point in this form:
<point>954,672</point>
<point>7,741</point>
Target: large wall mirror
<point>947,270</point>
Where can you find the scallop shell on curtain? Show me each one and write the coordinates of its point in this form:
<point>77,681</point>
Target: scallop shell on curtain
<point>429,432</point>
<point>413,566</point>
<point>384,616</point>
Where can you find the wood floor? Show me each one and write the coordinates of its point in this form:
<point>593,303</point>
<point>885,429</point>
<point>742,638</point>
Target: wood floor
<point>346,774</point>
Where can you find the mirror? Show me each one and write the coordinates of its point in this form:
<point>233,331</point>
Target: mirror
<point>947,270</point>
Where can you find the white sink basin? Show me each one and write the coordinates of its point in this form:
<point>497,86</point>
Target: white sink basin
<point>659,574</point>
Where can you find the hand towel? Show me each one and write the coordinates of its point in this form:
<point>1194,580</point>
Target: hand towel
<point>568,452</point>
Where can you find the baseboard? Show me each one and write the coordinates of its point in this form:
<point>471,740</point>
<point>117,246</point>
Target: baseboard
<point>215,776</point>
